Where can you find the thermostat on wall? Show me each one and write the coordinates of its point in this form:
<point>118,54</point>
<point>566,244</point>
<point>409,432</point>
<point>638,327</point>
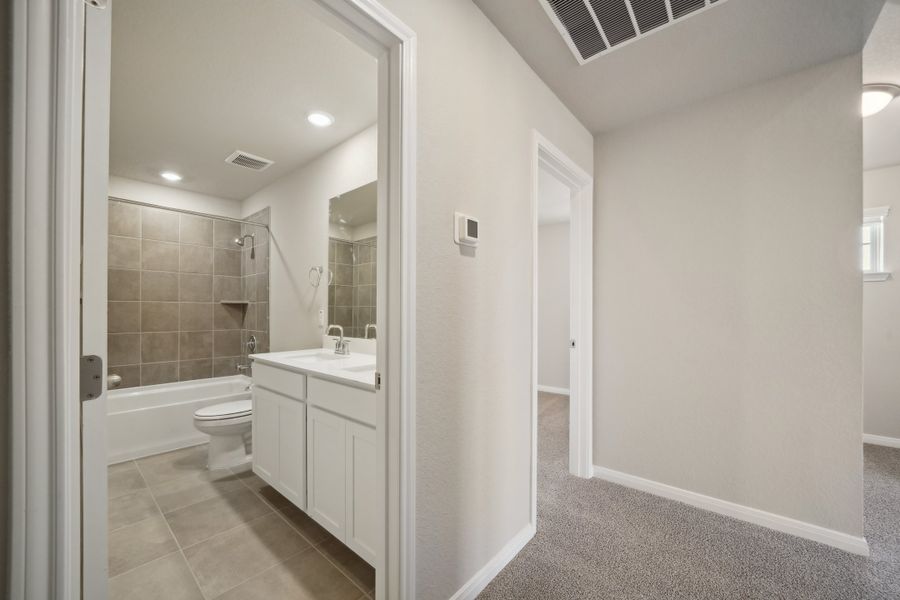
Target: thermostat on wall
<point>465,231</point>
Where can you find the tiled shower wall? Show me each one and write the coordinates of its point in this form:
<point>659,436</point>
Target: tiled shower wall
<point>171,278</point>
<point>351,296</point>
<point>255,283</point>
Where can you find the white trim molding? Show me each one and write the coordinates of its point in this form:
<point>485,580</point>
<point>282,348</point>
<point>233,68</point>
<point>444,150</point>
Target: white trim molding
<point>479,581</point>
<point>816,533</point>
<point>553,390</point>
<point>881,440</point>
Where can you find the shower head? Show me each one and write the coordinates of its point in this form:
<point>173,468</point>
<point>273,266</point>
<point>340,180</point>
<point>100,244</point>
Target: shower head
<point>241,240</point>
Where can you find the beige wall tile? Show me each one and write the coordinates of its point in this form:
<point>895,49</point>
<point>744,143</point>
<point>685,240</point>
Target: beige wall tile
<point>197,316</point>
<point>123,348</point>
<point>124,252</point>
<point>226,288</point>
<point>195,344</point>
<point>228,316</point>
<point>159,286</point>
<point>159,316</point>
<point>196,288</point>
<point>225,233</point>
<point>228,262</point>
<point>155,373</point>
<point>223,367</point>
<point>159,347</point>
<point>123,317</point>
<point>124,219</point>
<point>130,374</point>
<point>123,285</point>
<point>196,259</point>
<point>159,224</point>
<point>159,256</point>
<point>194,369</point>
<point>196,230</point>
<point>226,343</point>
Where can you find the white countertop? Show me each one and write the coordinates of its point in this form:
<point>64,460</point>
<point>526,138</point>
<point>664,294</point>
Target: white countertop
<point>356,369</point>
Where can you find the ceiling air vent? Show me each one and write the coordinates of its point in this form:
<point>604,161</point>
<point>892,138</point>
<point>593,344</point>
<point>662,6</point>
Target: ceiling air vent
<point>249,161</point>
<point>594,28</point>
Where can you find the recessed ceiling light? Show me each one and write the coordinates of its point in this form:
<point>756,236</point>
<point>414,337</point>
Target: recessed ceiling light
<point>170,176</point>
<point>320,119</point>
<point>877,96</point>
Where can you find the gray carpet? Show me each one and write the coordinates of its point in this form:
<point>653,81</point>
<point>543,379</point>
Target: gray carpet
<point>600,540</point>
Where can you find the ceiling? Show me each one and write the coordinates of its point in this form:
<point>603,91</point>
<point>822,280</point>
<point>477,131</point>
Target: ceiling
<point>736,44</point>
<point>195,80</point>
<point>881,64</point>
<point>554,199</point>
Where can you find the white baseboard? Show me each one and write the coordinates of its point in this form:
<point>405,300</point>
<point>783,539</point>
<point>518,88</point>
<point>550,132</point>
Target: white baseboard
<point>829,537</point>
<point>134,454</point>
<point>479,581</point>
<point>553,390</point>
<point>881,440</point>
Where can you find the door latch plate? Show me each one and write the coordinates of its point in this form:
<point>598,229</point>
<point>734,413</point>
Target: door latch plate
<point>91,380</point>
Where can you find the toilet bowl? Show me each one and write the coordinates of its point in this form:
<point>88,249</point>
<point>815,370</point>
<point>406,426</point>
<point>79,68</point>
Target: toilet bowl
<point>228,427</point>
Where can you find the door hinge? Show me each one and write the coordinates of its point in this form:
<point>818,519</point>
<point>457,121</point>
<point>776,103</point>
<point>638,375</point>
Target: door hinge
<point>377,380</point>
<point>101,4</point>
<point>91,380</point>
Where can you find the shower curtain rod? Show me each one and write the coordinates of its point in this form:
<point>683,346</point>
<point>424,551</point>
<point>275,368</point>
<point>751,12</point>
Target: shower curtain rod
<point>189,212</point>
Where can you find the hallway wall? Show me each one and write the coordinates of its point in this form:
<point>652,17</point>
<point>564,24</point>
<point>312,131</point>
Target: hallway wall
<point>478,105</point>
<point>728,298</point>
<point>553,306</point>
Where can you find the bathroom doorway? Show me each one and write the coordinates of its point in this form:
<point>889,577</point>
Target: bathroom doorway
<point>561,373</point>
<point>65,488</point>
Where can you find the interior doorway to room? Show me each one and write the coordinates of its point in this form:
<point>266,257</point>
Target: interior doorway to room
<point>561,379</point>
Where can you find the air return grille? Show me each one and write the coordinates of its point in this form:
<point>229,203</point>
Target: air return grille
<point>592,28</point>
<point>249,161</point>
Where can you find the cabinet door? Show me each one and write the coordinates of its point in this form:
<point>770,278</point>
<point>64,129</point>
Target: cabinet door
<point>362,513</point>
<point>327,464</point>
<point>292,451</point>
<point>265,434</point>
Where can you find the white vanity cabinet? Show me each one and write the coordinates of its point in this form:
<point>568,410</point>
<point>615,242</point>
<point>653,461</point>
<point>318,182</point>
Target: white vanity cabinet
<point>279,431</point>
<point>340,437</point>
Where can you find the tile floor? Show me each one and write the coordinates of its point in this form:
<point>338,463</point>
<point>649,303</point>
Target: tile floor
<point>180,532</point>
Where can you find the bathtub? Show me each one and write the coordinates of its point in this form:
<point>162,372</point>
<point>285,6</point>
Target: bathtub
<point>157,418</point>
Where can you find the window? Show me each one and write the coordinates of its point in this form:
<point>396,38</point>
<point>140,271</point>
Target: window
<point>873,244</point>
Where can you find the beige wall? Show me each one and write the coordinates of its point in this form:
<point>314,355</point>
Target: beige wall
<point>553,305</point>
<point>728,298</point>
<point>299,235</point>
<point>172,197</point>
<point>881,313</point>
<point>478,103</point>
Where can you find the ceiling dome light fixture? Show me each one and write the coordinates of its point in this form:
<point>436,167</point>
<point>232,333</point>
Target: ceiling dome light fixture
<point>877,96</point>
<point>170,176</point>
<point>320,119</point>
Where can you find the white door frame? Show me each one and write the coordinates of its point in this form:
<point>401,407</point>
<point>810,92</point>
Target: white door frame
<point>547,156</point>
<point>48,52</point>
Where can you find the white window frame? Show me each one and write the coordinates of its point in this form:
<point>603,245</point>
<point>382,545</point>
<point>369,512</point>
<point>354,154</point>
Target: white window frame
<point>875,217</point>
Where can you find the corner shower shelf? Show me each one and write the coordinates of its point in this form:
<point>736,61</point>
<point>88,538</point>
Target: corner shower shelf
<point>240,302</point>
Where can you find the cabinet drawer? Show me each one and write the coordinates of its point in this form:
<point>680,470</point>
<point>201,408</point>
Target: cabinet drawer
<point>281,381</point>
<point>343,400</point>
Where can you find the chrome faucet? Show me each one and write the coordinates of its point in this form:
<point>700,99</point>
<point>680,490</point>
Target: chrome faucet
<point>340,344</point>
<point>373,328</point>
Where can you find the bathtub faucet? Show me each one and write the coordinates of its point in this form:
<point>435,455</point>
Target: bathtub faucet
<point>242,368</point>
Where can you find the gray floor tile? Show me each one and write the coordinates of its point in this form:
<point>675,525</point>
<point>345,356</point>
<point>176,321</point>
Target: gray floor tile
<point>307,576</point>
<point>202,520</point>
<point>354,567</point>
<point>194,487</point>
<point>131,508</point>
<point>231,558</point>
<point>124,478</point>
<point>172,465</point>
<point>166,578</point>
<point>303,523</point>
<point>136,544</point>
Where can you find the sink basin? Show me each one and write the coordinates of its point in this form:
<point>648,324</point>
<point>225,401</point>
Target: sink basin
<point>359,368</point>
<point>317,357</point>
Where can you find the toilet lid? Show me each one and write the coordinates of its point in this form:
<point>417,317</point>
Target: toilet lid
<point>226,410</point>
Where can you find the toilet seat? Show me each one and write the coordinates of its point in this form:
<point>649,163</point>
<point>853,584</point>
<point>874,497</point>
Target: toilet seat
<point>226,410</point>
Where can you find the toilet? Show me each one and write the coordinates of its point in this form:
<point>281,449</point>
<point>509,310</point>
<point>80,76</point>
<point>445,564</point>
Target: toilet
<point>228,427</point>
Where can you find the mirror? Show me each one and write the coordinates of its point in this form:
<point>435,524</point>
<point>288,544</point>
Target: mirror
<point>352,236</point>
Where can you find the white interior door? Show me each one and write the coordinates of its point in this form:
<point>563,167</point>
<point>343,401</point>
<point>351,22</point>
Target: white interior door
<point>93,296</point>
